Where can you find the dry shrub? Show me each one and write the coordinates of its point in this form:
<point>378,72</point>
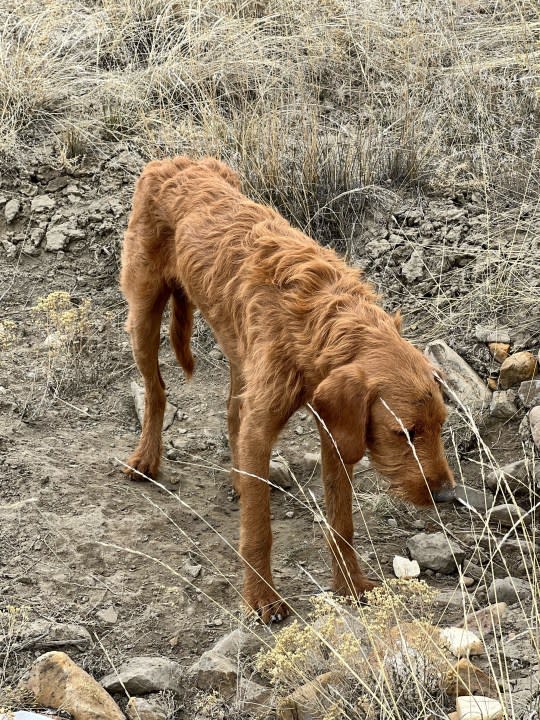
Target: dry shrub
<point>383,658</point>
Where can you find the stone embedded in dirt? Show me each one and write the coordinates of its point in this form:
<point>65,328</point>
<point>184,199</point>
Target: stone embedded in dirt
<point>529,393</point>
<point>461,642</point>
<point>459,376</point>
<point>253,697</point>
<point>492,383</point>
<point>516,369</point>
<point>49,634</point>
<point>516,476</point>
<point>464,678</point>
<point>480,500</point>
<point>58,183</point>
<point>193,570</point>
<point>56,681</point>
<point>534,424</point>
<point>237,643</point>
<point>503,404</point>
<point>435,551</point>
<point>213,671</point>
<point>40,203</point>
<point>486,620</point>
<point>478,707</point>
<point>310,701</point>
<point>415,266</point>
<point>11,210</point>
<point>141,675</point>
<point>143,709</point>
<point>507,515</point>
<point>280,474</point>
<point>485,334</point>
<point>138,397</point>
<point>311,461</point>
<point>26,715</point>
<point>405,568</point>
<point>509,590</point>
<point>499,351</point>
<point>108,616</point>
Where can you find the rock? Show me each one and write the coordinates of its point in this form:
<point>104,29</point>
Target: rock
<point>517,368</point>
<point>516,477</point>
<point>415,267</point>
<point>237,643</point>
<point>11,210</point>
<point>311,461</point>
<point>492,383</point>
<point>507,515</point>
<point>486,620</point>
<point>253,697</point>
<point>49,634</point>
<point>280,474</point>
<point>529,393</point>
<point>55,240</point>
<point>213,671</point>
<point>405,568</point>
<point>26,715</point>
<point>480,500</point>
<point>503,404</point>
<point>461,642</point>
<point>108,616</point>
<point>309,701</point>
<point>534,424</point>
<point>56,681</point>
<point>459,376</point>
<point>509,590</point>
<point>376,248</point>
<point>478,707</point>
<point>143,709</point>
<point>42,202</point>
<point>192,570</point>
<point>499,351</point>
<point>464,678</point>
<point>58,183</point>
<point>138,397</point>
<point>489,335</point>
<point>142,675</point>
<point>435,551</point>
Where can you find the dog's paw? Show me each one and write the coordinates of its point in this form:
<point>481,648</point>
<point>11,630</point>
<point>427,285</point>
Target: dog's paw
<point>141,468</point>
<point>269,607</point>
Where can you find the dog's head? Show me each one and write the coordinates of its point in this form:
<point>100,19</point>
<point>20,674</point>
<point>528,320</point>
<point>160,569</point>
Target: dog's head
<point>397,413</point>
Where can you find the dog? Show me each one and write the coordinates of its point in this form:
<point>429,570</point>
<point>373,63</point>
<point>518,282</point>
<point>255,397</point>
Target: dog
<point>299,328</point>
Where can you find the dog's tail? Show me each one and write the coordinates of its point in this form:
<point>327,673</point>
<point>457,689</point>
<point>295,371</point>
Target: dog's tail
<point>181,328</point>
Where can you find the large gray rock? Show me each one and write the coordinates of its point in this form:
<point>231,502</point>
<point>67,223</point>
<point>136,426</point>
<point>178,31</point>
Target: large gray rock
<point>45,634</point>
<point>460,377</point>
<point>142,709</point>
<point>509,590</point>
<point>435,551</point>
<point>507,515</point>
<point>280,474</point>
<point>480,500</point>
<point>237,643</point>
<point>213,671</point>
<point>516,477</point>
<point>529,393</point>
<point>503,404</point>
<point>42,202</point>
<point>142,675</point>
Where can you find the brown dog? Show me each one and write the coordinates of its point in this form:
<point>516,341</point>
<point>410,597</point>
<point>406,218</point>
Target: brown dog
<point>299,327</point>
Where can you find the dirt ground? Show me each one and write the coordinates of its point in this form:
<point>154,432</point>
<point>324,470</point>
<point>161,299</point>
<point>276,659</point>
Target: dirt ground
<point>77,537</point>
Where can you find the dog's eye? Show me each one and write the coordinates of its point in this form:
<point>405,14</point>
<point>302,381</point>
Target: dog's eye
<point>410,432</point>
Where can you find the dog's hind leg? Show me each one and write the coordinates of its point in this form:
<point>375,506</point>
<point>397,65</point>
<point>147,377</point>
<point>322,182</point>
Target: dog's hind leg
<point>146,305</point>
<point>337,479</point>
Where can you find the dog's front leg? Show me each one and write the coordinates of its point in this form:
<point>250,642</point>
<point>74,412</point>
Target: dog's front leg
<point>254,448</point>
<point>337,479</point>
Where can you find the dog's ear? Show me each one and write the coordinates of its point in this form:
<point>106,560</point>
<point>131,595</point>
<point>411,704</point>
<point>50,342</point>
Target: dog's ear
<point>222,170</point>
<point>342,400</point>
<point>398,321</point>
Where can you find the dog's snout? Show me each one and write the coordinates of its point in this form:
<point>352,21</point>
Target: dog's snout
<point>444,495</point>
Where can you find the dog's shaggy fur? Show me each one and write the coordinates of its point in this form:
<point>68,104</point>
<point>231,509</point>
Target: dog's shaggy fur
<point>299,327</point>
